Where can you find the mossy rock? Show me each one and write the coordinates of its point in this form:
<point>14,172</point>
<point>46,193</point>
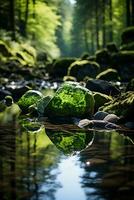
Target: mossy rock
<point>71,100</point>
<point>127,47</point>
<point>28,99</point>
<point>124,62</point>
<point>82,68</point>
<point>69,78</point>
<point>60,67</point>
<point>100,99</point>
<point>102,86</point>
<point>109,75</point>
<point>4,49</point>
<point>27,58</point>
<point>128,35</point>
<point>103,57</point>
<point>111,47</point>
<point>121,106</point>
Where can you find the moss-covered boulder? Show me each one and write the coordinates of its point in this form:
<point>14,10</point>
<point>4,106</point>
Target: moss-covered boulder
<point>128,35</point>
<point>82,68</point>
<point>124,62</point>
<point>109,75</point>
<point>100,99</point>
<point>121,106</point>
<point>111,47</point>
<point>59,67</point>
<point>103,57</point>
<point>4,49</point>
<point>127,47</point>
<point>102,86</point>
<point>28,99</point>
<point>71,100</point>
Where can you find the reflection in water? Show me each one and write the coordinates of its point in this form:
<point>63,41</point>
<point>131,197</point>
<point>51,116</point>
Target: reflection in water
<point>32,168</point>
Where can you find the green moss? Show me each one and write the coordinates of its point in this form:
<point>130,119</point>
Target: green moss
<point>108,75</point>
<point>28,99</point>
<point>71,100</point>
<point>121,106</point>
<point>4,49</point>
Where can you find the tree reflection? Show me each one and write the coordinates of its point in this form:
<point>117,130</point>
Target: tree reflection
<point>27,163</point>
<point>108,167</point>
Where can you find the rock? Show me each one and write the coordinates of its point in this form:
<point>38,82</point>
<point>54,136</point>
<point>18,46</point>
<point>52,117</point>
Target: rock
<point>99,124</point>
<point>71,100</point>
<point>122,106</point>
<point>60,67</point>
<point>102,86</point>
<point>124,62</point>
<point>4,93</point>
<point>112,48</point>
<point>103,57</point>
<point>129,125</point>
<point>42,104</point>
<point>100,115</point>
<point>128,35</point>
<point>100,99</point>
<point>69,78</point>
<point>109,75</point>
<point>111,118</point>
<point>127,47</point>
<point>8,100</point>
<point>82,68</point>
<point>28,99</point>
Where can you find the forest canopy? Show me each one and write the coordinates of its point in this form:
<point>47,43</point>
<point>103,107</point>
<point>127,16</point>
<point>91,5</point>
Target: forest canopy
<point>65,27</point>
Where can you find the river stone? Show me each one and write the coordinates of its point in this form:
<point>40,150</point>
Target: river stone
<point>111,118</point>
<point>71,100</point>
<point>28,99</point>
<point>100,115</point>
<point>99,124</point>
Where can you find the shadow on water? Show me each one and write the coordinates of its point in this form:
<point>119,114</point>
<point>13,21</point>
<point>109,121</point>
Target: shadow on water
<point>37,165</point>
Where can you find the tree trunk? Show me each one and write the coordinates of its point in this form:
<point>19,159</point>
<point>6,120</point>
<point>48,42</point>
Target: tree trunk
<point>26,16</point>
<point>111,21</point>
<point>97,25</point>
<point>103,24</point>
<point>132,10</point>
<point>86,38</point>
<point>12,18</point>
<point>128,13</point>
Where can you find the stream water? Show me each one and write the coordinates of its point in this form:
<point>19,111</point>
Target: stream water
<point>42,165</point>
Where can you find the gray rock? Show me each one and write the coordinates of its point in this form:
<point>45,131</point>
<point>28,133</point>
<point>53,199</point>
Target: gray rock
<point>100,115</point>
<point>111,118</point>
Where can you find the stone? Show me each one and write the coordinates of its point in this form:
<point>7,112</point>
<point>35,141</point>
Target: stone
<point>127,35</point>
<point>71,100</point>
<point>100,115</point>
<point>111,118</point>
<point>28,99</point>
<point>109,75</point>
<point>122,106</point>
<point>102,86</point>
<point>101,99</point>
<point>82,68</point>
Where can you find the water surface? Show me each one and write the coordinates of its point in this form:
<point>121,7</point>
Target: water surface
<point>37,164</point>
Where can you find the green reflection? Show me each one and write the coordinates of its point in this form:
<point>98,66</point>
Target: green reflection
<point>70,143</point>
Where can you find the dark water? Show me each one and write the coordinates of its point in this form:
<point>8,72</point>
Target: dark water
<point>41,165</point>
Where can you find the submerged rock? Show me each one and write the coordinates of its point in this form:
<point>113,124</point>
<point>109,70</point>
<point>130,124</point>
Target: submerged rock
<point>111,118</point>
<point>28,99</point>
<point>71,100</point>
